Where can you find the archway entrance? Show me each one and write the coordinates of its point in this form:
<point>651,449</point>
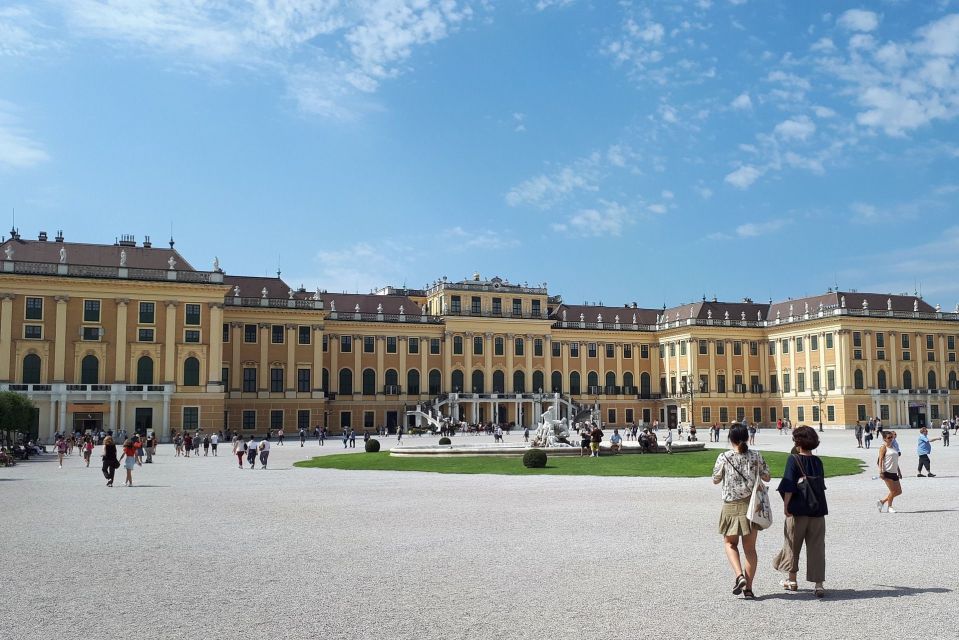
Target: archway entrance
<point>87,422</point>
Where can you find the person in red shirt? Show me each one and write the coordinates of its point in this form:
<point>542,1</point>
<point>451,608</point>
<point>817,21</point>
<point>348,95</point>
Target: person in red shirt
<point>129,460</point>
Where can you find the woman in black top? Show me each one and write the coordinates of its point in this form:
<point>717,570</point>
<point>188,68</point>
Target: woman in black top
<point>804,504</point>
<point>110,461</point>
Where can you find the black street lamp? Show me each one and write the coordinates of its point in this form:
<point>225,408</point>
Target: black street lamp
<point>687,388</point>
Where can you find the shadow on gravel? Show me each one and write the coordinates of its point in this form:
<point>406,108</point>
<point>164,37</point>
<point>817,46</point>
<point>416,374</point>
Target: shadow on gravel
<point>931,511</point>
<point>10,479</point>
<point>864,594</point>
<point>150,486</point>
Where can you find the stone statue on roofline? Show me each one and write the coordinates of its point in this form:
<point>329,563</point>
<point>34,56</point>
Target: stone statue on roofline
<point>709,314</point>
<point>8,252</point>
<point>726,315</point>
<point>171,262</point>
<point>915,305</point>
<point>290,293</point>
<point>842,302</point>
<point>332,305</point>
<point>216,264</point>
<point>888,304</point>
<point>742,316</point>
<point>123,257</point>
<point>263,292</point>
<point>63,255</point>
<point>236,291</point>
<point>379,308</point>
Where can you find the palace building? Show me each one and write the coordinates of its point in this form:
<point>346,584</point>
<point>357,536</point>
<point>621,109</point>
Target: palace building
<point>132,335</point>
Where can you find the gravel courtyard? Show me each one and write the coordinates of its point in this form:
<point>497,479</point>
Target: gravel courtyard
<point>201,549</point>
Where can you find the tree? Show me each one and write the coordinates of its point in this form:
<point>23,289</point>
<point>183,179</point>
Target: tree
<point>16,411</point>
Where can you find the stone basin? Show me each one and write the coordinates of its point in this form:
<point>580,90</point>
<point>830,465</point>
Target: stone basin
<point>517,450</point>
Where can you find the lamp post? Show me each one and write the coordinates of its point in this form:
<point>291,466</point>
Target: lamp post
<point>687,388</point>
<point>819,397</point>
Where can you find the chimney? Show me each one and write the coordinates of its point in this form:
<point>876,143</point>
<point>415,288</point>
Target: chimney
<point>128,240</point>
<point>146,242</point>
<point>42,237</point>
<point>59,237</point>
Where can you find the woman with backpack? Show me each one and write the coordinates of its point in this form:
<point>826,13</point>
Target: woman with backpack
<point>738,470</point>
<point>804,504</point>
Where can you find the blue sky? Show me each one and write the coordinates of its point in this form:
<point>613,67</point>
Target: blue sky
<point>620,151</point>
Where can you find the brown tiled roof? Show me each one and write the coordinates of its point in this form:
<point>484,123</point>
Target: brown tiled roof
<point>252,287</point>
<point>592,312</point>
<point>369,302</point>
<point>717,310</point>
<point>100,255</point>
<point>854,300</point>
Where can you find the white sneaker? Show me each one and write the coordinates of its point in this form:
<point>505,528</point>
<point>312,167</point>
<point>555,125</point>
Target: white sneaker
<point>890,510</point>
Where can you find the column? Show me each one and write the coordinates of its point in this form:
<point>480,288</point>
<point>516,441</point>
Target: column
<point>824,377</point>
<point>730,380</point>
<point>565,351</point>
<point>165,426</point>
<point>60,348</point>
<point>468,374</point>
<point>215,364</point>
<point>488,364</point>
<point>318,357</point>
<point>548,359</point>
<point>779,367</point>
<point>746,372</point>
<point>678,364</point>
<point>867,345</point>
<point>893,379</point>
<point>6,335</point>
<point>942,377</point>
<point>447,363</point>
<point>380,342</point>
<point>169,346</point>
<point>666,369</point>
<point>263,377</point>
<point>236,368</point>
<point>690,368</point>
<point>510,348</point>
<point>712,366</point>
<point>809,365</point>
<point>619,363</point>
<point>291,357</point>
<point>529,362</point>
<point>841,361</point>
<point>119,374</point>
<point>402,376</point>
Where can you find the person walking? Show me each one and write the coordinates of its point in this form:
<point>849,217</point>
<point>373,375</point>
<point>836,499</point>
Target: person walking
<point>399,434</point>
<point>264,448</point>
<point>129,460</point>
<point>752,434</point>
<point>206,446</point>
<point>321,435</point>
<point>187,444</point>
<point>868,437</point>
<point>87,449</point>
<point>279,436</point>
<point>110,462</point>
<point>251,452</point>
<point>302,436</point>
<point>345,437</point>
<point>584,442</point>
<point>737,471</point>
<point>889,471</point>
<point>595,438</point>
<point>805,509</point>
<point>138,449</point>
<point>214,441</point>
<point>668,441</point>
<point>151,445</point>
<point>859,431</point>
<point>526,434</point>
<point>239,449</point>
<point>945,433</point>
<point>923,449</point>
<point>352,438</point>
<point>61,449</point>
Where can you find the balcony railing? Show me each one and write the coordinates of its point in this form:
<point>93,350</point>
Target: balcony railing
<point>88,388</point>
<point>107,272</point>
<point>274,303</point>
<point>382,317</point>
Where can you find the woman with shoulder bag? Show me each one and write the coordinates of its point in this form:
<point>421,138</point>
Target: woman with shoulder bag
<point>110,462</point>
<point>804,504</point>
<point>889,471</point>
<point>737,470</point>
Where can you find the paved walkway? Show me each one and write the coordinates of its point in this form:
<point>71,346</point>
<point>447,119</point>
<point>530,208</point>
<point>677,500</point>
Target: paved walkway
<point>201,549</point>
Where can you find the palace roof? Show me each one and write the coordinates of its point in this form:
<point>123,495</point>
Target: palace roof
<point>98,255</point>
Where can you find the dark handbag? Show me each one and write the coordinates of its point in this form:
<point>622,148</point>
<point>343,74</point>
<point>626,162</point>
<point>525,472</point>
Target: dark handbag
<point>805,492</point>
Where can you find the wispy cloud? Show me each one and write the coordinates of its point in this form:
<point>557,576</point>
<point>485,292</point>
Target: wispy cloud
<point>608,219</point>
<point>743,177</point>
<point>548,189</point>
<point>751,230</point>
<point>487,239</point>
<point>18,150</point>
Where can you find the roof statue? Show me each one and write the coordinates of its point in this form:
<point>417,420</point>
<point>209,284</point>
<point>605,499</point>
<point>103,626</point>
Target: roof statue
<point>690,312</point>
<point>865,304</point>
<point>634,318</point>
<point>332,305</point>
<point>263,292</point>
<point>821,306</point>
<point>616,319</point>
<point>599,318</point>
<point>356,309</point>
<point>742,316</point>
<point>123,257</point>
<point>790,311</point>
<point>216,263</point>
<point>171,262</point>
<point>236,291</point>
<point>564,314</point>
<point>807,307</point>
<point>63,255</point>
<point>402,312</point>
<point>316,296</point>
<point>582,317</point>
<point>915,305</point>
<point>290,292</point>
<point>938,307</point>
<point>842,302</point>
<point>726,315</point>
<point>888,304</point>
<point>778,314</point>
<point>379,308</point>
<point>709,314</point>
<point>8,251</point>
<point>759,316</point>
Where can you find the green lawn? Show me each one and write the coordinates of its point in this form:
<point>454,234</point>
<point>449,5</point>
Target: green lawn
<point>695,464</point>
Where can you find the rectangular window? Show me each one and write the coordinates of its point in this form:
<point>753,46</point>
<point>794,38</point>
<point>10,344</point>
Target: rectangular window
<point>477,345</point>
<point>682,348</point>
<point>391,344</point>
<point>434,346</point>
<point>772,415</point>
<point>720,347</point>
<point>91,333</point>
<point>276,419</point>
<point>831,379</point>
<point>799,344</point>
<point>346,419</point>
<point>906,355</point>
<point>724,414</point>
<point>147,312</point>
<point>34,309</point>
<point>672,349</point>
<point>884,412</point>
<point>720,383</point>
<point>475,307</point>
<point>757,414</point>
<point>249,419</point>
<point>249,379</point>
<point>225,376</point>
<point>303,335</point>
<point>498,343</point>
<point>857,354</point>
<point>497,306</point>
<point>800,413</point>
<point>91,311</point>
<point>573,349</point>
<point>773,383</point>
<point>934,411</point>
<point>591,350</point>
<point>857,338</point>
<point>629,416</point>
<point>815,413</point>
<point>644,351</point>
<point>829,341</point>
<point>785,413</point>
<point>538,347</point>
<point>192,314</point>
<point>627,351</point>
<point>226,332</point>
<point>753,348</point>
<point>814,343</point>
<point>861,412</point>
<point>784,346</point>
<point>413,346</point>
<point>881,354</point>
<point>706,414</point>
<point>369,344</point>
<point>905,340</point>
<point>880,340</point>
<point>930,342</point>
<point>772,348</point>
<point>326,343</point>
<point>519,347</point>
<point>555,348</point>
<point>611,416</point>
<point>951,343</point>
<point>704,383</point>
<point>662,354</point>
<point>33,331</point>
<point>276,380</point>
<point>191,418</point>
<point>346,344</point>
<point>536,310</point>
<point>191,336</point>
<point>249,333</point>
<point>303,419</point>
<point>740,414</point>
<point>303,380</point>
<point>455,305</point>
<point>786,383</point>
<point>801,382</point>
<point>517,307</point>
<point>703,347</point>
<point>737,348</point>
<point>457,345</point>
<point>830,413</point>
<point>815,381</point>
<point>610,350</point>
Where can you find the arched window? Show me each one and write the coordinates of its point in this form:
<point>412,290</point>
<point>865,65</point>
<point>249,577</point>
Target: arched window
<point>413,382</point>
<point>326,380</point>
<point>857,379</point>
<point>435,382</point>
<point>478,382</point>
<point>907,380</point>
<point>538,386</point>
<point>931,378</point>
<point>645,385</point>
<point>369,382</point>
<point>346,382</point>
<point>145,370</point>
<point>881,380</point>
<point>499,382</point>
<point>610,378</point>
<point>191,372</point>
<point>90,370</point>
<point>574,383</point>
<point>391,378</point>
<point>592,380</point>
<point>458,382</point>
<point>953,383</point>
<point>31,369</point>
<point>628,382</point>
<point>519,382</point>
<point>556,382</point>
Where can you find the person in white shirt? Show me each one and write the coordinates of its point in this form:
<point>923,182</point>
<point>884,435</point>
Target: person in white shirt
<point>264,448</point>
<point>214,440</point>
<point>669,441</point>
<point>239,449</point>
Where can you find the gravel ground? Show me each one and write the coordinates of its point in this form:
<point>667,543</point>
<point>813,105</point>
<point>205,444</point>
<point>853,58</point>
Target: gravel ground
<point>200,549</point>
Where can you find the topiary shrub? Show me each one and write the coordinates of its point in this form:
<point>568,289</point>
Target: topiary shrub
<point>445,441</point>
<point>534,459</point>
<point>372,446</point>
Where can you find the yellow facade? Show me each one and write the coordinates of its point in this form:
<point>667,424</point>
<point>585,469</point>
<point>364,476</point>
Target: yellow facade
<point>95,343</point>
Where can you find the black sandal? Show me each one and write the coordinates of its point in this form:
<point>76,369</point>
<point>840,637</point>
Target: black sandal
<point>740,584</point>
<point>748,594</point>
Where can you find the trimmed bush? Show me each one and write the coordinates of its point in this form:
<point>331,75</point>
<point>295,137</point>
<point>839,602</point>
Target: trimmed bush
<point>372,446</point>
<point>534,459</point>
<point>445,441</point>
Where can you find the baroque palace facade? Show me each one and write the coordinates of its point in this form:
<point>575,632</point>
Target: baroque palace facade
<point>127,335</point>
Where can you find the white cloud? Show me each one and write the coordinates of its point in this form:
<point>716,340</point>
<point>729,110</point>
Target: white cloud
<point>658,209</point>
<point>608,220</point>
<point>823,112</point>
<point>542,5</point>
<point>756,229</point>
<point>743,177</point>
<point>480,239</point>
<point>823,44</point>
<point>18,29</point>
<point>742,102</point>
<point>360,267</point>
<point>17,149</point>
<point>544,191</point>
<point>667,195</point>
<point>864,212</point>
<point>799,128</point>
<point>858,20</point>
<point>941,38</point>
<point>704,192</point>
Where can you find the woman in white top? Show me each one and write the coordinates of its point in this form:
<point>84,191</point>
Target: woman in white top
<point>737,471</point>
<point>239,449</point>
<point>889,471</point>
